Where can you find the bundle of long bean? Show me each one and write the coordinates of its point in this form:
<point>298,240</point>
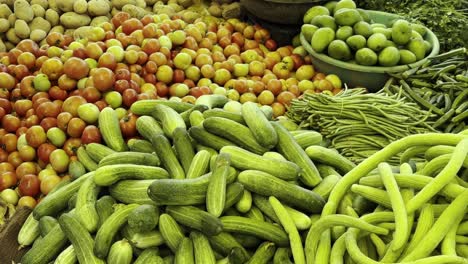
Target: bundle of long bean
<point>357,123</point>
<point>440,85</point>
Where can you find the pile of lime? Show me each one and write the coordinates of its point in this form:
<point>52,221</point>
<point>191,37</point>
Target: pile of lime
<point>347,33</point>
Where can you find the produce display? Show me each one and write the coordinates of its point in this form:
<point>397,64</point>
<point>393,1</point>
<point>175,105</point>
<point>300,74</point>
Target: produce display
<point>144,131</point>
<point>347,33</point>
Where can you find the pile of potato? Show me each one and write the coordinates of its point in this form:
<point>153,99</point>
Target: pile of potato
<point>34,19</point>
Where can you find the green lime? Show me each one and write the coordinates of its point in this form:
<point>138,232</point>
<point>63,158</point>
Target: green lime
<point>386,31</point>
<point>339,50</point>
<point>418,47</point>
<point>345,4</point>
<point>331,6</point>
<point>313,12</point>
<point>401,31</point>
<point>344,32</point>
<point>390,56</point>
<point>308,30</point>
<point>356,42</point>
<point>419,28</point>
<point>365,16</point>
<point>362,28</point>
<point>376,42</point>
<point>416,35</point>
<point>324,21</point>
<point>366,56</point>
<point>406,57</point>
<point>347,16</point>
<point>321,38</point>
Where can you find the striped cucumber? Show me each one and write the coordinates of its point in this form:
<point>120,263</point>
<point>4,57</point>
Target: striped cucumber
<point>199,165</point>
<point>109,229</point>
<point>120,253</point>
<point>288,146</point>
<point>104,208</point>
<point>168,158</point>
<point>110,129</point>
<point>140,145</point>
<point>148,127</point>
<point>129,157</point>
<point>216,192</point>
<point>85,206</point>
<point>68,256</point>
<point>149,255</point>
<point>98,151</point>
<point>85,159</point>
<point>109,174</point>
<point>195,218</point>
<point>29,231</point>
<point>184,253</point>
<point>202,250</point>
<point>183,147</point>
<point>131,191</point>
<point>169,119</point>
<point>80,238</point>
<point>205,138</point>
<point>146,107</point>
<point>171,231</point>
<point>259,125</point>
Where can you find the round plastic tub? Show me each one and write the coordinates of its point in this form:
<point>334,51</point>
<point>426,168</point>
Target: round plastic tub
<point>371,77</point>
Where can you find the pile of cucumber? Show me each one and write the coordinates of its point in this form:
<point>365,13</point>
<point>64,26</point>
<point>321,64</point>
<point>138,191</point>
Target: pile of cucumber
<point>204,185</point>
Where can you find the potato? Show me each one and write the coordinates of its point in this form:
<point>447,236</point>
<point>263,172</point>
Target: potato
<point>96,21</point>
<point>5,11</point>
<point>59,28</point>
<point>23,10</point>
<point>98,7</point>
<point>12,37</point>
<point>40,23</point>
<point>22,29</point>
<point>135,11</point>
<point>2,46</point>
<point>38,10</point>
<point>4,25</point>
<point>80,6</point>
<point>52,16</point>
<point>119,4</point>
<point>43,3</point>
<point>38,35</point>
<point>74,20</point>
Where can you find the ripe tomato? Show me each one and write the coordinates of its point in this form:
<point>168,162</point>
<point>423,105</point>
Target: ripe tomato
<point>27,201</point>
<point>35,136</point>
<point>128,125</point>
<point>75,127</point>
<point>26,168</point>
<point>103,78</point>
<point>48,183</point>
<point>44,150</point>
<point>91,134</point>
<point>7,179</point>
<point>71,146</point>
<point>10,123</point>
<point>29,185</point>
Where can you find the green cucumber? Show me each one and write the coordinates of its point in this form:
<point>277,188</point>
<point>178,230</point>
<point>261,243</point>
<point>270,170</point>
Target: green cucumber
<point>218,112</point>
<point>29,231</point>
<point>245,160</point>
<point>128,157</point>
<point>234,193</point>
<point>68,256</point>
<point>148,127</point>
<point>205,138</point>
<point>85,159</point>
<point>253,227</point>
<point>149,255</point>
<point>196,118</point>
<point>109,229</point>
<point>120,253</point>
<point>186,114</point>
<point>291,150</point>
<point>143,218</point>
<point>168,158</point>
<point>235,132</point>
<point>46,224</point>
<point>140,145</point>
<point>307,138</point>
<point>98,151</point>
<point>263,254</point>
<point>80,238</point>
<point>171,231</point>
<point>104,208</point>
<point>131,191</point>
<point>216,192</point>
<point>55,202</point>
<point>202,249</point>
<point>330,157</point>
<point>184,253</point>
<point>76,169</point>
<point>169,119</point>
<point>199,165</point>
<point>110,129</point>
<point>109,174</point>
<point>85,206</point>
<point>146,107</point>
<point>259,125</point>
<point>268,185</point>
<point>195,218</point>
<point>224,243</point>
<point>183,147</point>
<point>212,100</point>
